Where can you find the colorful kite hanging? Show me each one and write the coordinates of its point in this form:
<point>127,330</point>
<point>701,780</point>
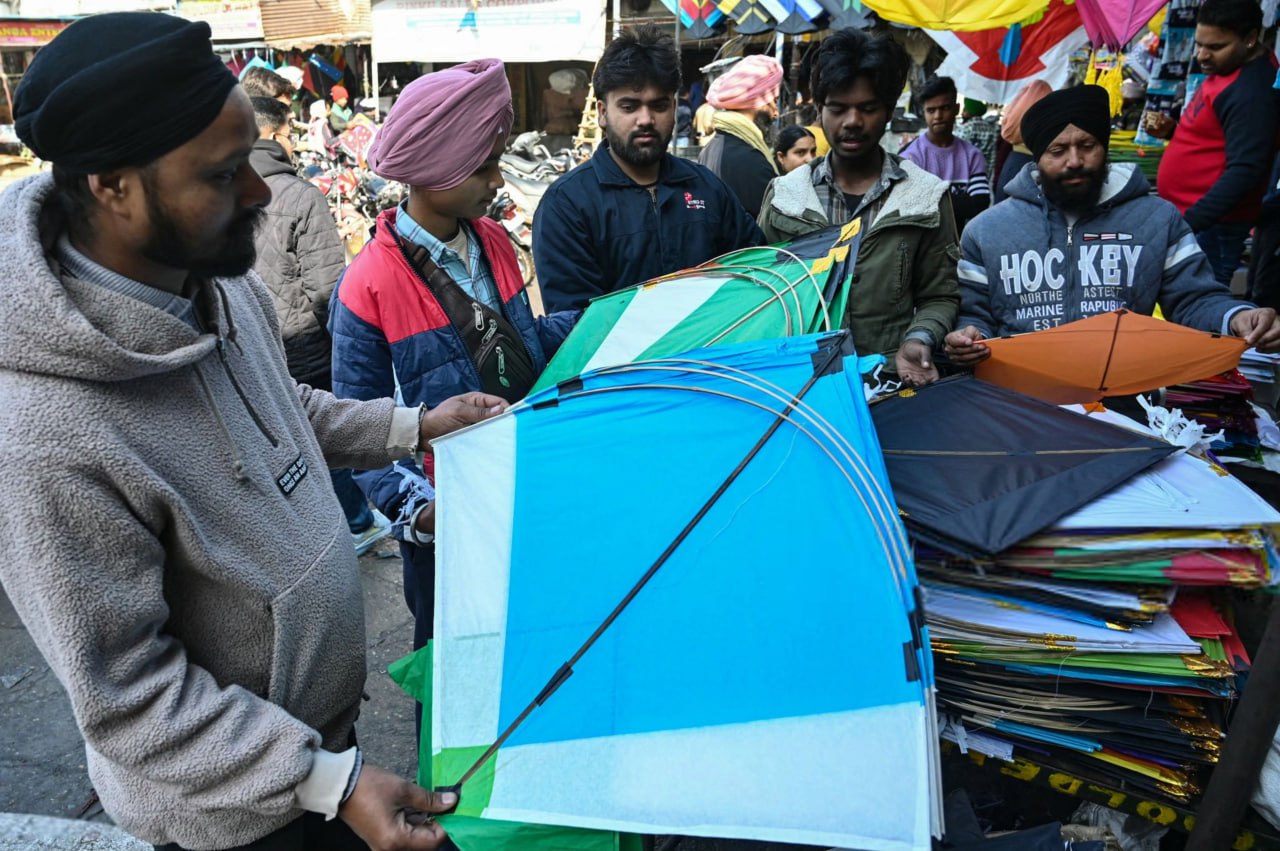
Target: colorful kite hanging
<point>750,16</point>
<point>992,65</point>
<point>1113,23</point>
<point>846,14</point>
<point>700,18</point>
<point>957,15</point>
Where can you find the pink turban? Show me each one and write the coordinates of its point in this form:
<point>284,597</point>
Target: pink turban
<point>1027,97</point>
<point>751,84</point>
<point>443,126</point>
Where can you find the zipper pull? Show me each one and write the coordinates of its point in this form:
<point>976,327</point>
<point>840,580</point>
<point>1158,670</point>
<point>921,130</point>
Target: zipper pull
<point>479,316</point>
<point>493,329</point>
<point>1070,230</point>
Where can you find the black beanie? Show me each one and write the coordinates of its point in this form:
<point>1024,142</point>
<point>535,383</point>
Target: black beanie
<point>120,90</point>
<point>1087,107</point>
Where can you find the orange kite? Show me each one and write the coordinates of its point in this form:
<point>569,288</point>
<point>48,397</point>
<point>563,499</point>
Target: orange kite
<point>1112,354</point>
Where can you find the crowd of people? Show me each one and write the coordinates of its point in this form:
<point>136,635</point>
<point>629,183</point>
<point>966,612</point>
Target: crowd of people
<point>184,349</point>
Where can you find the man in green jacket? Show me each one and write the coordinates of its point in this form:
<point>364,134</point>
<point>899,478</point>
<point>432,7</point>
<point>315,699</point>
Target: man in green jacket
<point>905,294</point>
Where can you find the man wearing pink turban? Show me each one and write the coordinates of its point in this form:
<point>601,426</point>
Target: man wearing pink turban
<point>401,314</point>
<point>744,97</point>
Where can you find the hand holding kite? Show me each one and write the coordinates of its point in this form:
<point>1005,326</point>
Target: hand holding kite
<point>914,363</point>
<point>1259,327</point>
<point>965,348</point>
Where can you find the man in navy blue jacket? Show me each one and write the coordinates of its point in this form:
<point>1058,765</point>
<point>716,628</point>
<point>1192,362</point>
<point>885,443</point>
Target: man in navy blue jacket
<point>633,211</point>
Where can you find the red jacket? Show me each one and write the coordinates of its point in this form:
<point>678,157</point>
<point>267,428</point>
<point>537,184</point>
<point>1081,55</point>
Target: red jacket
<point>1216,165</point>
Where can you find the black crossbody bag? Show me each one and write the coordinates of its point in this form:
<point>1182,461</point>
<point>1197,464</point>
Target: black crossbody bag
<point>496,348</point>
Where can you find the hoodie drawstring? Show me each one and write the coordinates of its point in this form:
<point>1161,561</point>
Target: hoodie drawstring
<point>237,461</point>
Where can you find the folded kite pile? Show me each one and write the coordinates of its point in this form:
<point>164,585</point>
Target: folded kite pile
<point>1097,643</point>
<point>1222,404</point>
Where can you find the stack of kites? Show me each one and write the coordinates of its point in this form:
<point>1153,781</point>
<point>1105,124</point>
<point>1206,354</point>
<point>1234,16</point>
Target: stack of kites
<point>1222,403</point>
<point>1073,567</point>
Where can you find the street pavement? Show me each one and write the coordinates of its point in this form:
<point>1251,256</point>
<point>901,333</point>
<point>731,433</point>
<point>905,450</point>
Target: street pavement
<point>46,799</point>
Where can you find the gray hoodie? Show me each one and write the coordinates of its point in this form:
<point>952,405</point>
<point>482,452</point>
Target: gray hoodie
<point>172,540</point>
<point>1024,267</point>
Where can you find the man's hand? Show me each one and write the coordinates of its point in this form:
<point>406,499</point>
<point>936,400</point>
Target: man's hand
<point>459,412</point>
<point>1158,124</point>
<point>965,348</point>
<point>1259,327</point>
<point>914,364</point>
<point>391,814</point>
<point>426,519</point>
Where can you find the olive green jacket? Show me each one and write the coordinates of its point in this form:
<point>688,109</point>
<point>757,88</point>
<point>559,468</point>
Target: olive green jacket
<point>904,282</point>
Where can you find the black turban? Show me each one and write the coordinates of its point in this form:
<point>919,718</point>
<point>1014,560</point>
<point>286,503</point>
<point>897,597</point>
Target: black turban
<point>120,89</point>
<point>1087,107</point>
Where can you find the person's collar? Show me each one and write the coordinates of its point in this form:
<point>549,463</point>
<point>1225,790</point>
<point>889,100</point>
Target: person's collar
<point>81,267</point>
<point>418,235</point>
<point>609,173</point>
<point>890,170</point>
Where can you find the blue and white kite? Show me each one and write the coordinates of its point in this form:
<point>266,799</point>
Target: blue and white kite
<point>674,597</point>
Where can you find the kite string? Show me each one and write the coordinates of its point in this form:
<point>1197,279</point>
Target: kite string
<point>566,670</point>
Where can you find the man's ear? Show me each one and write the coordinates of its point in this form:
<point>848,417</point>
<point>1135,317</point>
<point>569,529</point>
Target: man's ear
<point>600,112</point>
<point>118,191</point>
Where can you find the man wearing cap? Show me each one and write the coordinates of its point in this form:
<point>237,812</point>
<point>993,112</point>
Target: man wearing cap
<point>339,113</point>
<point>744,97</point>
<point>1079,236</point>
<point>979,130</point>
<point>393,331</point>
<point>155,448</point>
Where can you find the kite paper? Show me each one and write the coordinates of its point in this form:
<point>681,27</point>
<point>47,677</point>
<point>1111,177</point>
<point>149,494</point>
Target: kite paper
<point>750,16</point>
<point>700,18</point>
<point>757,686</point>
<point>1118,353</point>
<point>992,66</point>
<point>957,15</point>
<point>1113,23</point>
<point>796,288</point>
<point>1004,467</point>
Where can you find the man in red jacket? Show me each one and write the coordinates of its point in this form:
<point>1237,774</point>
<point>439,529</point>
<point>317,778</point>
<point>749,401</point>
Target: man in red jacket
<point>1218,159</point>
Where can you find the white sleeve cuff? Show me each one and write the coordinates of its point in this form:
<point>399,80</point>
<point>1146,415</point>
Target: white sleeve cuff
<point>1226,320</point>
<point>405,434</point>
<point>322,790</point>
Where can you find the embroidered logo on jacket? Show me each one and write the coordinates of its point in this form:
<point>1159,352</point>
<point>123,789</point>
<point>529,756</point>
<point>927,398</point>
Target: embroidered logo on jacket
<point>694,203</point>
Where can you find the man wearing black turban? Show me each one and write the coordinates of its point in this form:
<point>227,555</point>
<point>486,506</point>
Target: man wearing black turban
<point>155,447</point>
<point>1078,236</point>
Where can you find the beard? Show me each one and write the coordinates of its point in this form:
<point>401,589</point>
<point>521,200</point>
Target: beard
<point>638,155</point>
<point>1075,199</point>
<point>206,255</point>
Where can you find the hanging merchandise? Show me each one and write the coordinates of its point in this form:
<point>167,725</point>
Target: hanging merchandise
<point>1170,87</point>
<point>958,15</point>
<point>1113,23</point>
<point>700,18</point>
<point>794,16</point>
<point>994,64</point>
<point>848,14</point>
<point>627,676</point>
<point>750,16</point>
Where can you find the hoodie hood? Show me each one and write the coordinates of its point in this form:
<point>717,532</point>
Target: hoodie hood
<point>1124,183</point>
<point>269,159</point>
<point>51,325</point>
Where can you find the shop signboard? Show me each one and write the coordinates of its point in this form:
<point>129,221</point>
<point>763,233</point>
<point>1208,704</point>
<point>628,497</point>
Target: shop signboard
<point>230,20</point>
<point>29,33</point>
<point>442,31</point>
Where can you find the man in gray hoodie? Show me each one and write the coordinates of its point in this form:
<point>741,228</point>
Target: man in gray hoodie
<point>155,447</point>
<point>1079,236</point>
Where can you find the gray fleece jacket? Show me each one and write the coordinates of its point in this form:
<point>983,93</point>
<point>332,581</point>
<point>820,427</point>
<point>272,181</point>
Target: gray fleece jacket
<point>1024,267</point>
<point>172,540</point>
